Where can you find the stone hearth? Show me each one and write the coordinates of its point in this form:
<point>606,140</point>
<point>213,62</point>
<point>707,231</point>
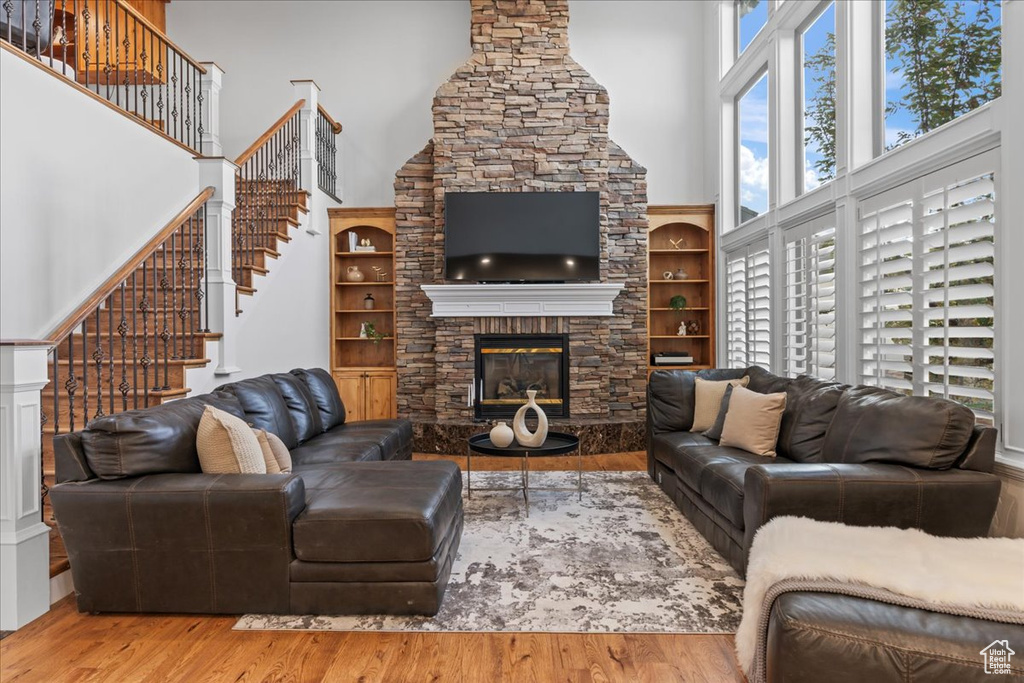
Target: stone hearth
<point>521,116</point>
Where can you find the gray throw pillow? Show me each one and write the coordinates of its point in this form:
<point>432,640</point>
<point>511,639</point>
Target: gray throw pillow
<point>715,430</point>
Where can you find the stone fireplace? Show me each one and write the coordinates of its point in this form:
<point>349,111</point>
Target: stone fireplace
<point>521,116</point>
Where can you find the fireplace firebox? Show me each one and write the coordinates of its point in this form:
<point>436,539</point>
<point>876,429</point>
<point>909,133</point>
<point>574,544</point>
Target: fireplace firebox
<point>507,366</point>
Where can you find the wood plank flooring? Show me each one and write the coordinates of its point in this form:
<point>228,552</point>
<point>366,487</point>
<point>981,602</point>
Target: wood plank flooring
<point>64,645</point>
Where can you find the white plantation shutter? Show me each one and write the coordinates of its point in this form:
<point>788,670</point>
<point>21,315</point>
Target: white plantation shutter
<point>886,299</point>
<point>810,299</point>
<point>927,285</point>
<point>748,303</point>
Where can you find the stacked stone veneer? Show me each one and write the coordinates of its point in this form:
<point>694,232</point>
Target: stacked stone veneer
<point>521,116</point>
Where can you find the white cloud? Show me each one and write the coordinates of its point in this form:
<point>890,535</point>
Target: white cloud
<point>810,176</point>
<point>754,113</point>
<point>753,179</point>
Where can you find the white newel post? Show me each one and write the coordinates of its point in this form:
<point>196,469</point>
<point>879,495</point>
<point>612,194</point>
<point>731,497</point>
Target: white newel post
<point>210,85</point>
<point>309,91</point>
<point>219,173</point>
<point>24,539</point>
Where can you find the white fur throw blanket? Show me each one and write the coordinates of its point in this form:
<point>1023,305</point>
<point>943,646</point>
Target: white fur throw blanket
<point>981,577</point>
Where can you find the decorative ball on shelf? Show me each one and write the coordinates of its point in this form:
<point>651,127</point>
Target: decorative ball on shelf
<point>523,435</point>
<point>502,435</point>
<point>667,275</point>
<point>692,327</point>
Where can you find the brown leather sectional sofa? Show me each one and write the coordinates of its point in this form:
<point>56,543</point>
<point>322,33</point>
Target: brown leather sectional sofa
<point>859,455</point>
<point>356,528</point>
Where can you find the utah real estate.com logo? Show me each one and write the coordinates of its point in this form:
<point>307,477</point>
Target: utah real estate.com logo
<point>997,657</point>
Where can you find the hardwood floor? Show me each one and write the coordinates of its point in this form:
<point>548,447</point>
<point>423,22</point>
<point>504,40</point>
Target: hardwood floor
<point>64,645</point>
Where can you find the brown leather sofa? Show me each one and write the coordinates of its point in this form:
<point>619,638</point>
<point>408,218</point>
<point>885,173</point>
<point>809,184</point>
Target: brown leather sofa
<point>356,528</point>
<point>860,455</point>
<point>814,637</point>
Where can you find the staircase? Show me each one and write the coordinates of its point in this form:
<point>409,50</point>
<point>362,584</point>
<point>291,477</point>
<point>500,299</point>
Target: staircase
<point>130,344</point>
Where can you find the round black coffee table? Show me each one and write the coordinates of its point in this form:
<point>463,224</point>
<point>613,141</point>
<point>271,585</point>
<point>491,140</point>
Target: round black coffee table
<point>557,443</point>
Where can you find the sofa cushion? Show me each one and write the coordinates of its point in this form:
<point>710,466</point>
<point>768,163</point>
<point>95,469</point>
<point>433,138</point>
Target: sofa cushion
<point>671,396</point>
<point>156,440</point>
<point>378,512</point>
<point>764,382</point>
<point>721,479</point>
<point>336,446</point>
<point>325,393</point>
<point>265,407</point>
<point>810,406</point>
<point>875,425</point>
<point>227,445</point>
<point>752,421</point>
<point>664,446</point>
<point>709,401</point>
<point>692,463</point>
<point>393,436</point>
<point>301,406</point>
<point>263,437</point>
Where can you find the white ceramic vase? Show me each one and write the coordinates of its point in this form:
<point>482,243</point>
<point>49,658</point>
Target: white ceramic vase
<point>526,438</point>
<point>502,435</point>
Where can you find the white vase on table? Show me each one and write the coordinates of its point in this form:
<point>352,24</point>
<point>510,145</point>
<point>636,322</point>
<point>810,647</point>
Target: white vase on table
<point>502,435</point>
<point>526,438</point>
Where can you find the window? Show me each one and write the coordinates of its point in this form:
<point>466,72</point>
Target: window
<point>811,300</point>
<point>942,60</point>
<point>751,16</point>
<point>747,304</point>
<point>928,289</point>
<point>752,175</point>
<point>818,45</point>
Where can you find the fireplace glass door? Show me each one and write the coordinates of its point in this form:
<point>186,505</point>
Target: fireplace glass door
<point>507,366</point>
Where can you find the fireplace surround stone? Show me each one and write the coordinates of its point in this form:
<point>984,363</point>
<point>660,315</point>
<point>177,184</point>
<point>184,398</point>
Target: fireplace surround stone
<point>522,116</point>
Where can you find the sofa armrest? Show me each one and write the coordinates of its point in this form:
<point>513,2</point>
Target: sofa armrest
<point>941,502</point>
<point>181,542</point>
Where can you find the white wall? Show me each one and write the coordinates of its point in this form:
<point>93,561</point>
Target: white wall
<point>81,189</point>
<point>650,57</point>
<point>379,63</point>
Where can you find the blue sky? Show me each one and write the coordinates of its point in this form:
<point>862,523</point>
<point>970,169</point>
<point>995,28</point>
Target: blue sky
<point>753,152</point>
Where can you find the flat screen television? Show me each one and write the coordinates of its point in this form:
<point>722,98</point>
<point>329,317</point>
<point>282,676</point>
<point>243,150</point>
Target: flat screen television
<point>522,236</point>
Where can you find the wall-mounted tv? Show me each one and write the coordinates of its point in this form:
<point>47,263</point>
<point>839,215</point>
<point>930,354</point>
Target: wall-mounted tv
<point>522,236</point>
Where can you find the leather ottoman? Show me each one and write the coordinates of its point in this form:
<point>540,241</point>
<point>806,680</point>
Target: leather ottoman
<point>376,538</point>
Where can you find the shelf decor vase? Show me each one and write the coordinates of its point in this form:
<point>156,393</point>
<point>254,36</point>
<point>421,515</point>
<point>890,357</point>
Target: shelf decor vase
<point>523,435</point>
<point>681,274</point>
<point>353,274</point>
<point>502,435</point>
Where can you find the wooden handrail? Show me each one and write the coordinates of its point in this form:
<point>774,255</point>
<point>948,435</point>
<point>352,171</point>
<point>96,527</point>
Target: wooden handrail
<point>163,36</point>
<point>335,126</point>
<point>247,154</point>
<point>79,315</point>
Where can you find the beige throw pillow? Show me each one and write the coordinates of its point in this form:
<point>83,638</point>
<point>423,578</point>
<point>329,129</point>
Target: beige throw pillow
<point>708,400</point>
<point>268,452</point>
<point>752,423</point>
<point>281,453</point>
<point>227,445</point>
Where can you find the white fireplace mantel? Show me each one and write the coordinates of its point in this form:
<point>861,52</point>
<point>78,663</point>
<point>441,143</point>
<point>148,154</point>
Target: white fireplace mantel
<point>522,300</point>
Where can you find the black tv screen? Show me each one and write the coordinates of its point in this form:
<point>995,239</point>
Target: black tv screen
<point>522,236</point>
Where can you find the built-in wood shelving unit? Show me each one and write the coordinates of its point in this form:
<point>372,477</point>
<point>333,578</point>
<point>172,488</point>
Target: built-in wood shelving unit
<point>363,368</point>
<point>681,237</point>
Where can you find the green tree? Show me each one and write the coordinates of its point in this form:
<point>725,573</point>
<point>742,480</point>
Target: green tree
<point>950,62</point>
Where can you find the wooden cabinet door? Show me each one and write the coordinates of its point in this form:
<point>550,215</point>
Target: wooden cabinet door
<point>381,390</point>
<point>352,387</point>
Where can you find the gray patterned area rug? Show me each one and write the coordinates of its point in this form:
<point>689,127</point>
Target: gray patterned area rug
<point>624,560</point>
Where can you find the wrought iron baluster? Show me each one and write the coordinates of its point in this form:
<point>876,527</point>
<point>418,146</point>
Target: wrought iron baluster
<point>110,350</point>
<point>186,301</point>
<point>9,10</point>
<point>71,383</point>
<point>122,330</point>
<point>85,375</point>
<point>187,133</point>
<point>199,114</point>
<point>108,68</point>
<point>97,359</point>
<point>96,61</point>
<point>161,84</point>
<point>165,285</point>
<point>143,72</point>
<point>145,361</point>
<point>63,38</point>
<point>37,24</point>
<point>56,391</point>
<point>175,314</point>
<point>204,272</point>
<point>85,53</point>
<point>156,333</point>
<point>135,341</point>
